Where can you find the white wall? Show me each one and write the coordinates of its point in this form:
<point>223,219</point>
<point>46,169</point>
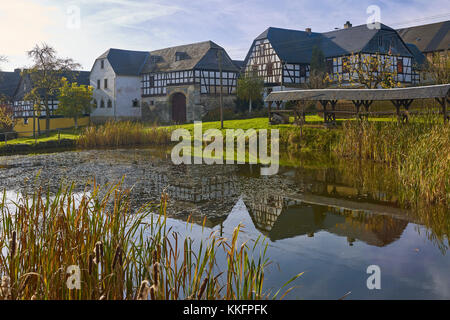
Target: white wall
<point>97,73</point>
<point>128,88</point>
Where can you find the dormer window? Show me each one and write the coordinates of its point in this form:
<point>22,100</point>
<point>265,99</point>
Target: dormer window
<point>102,64</point>
<point>181,56</point>
<point>155,59</point>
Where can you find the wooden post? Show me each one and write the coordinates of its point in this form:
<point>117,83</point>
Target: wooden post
<point>333,108</point>
<point>219,53</point>
<point>270,109</point>
<point>357,104</point>
<point>324,105</point>
<point>443,104</point>
<point>396,103</point>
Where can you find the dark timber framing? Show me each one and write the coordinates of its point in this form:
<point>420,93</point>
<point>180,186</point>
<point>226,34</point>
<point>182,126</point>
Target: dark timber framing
<point>400,98</point>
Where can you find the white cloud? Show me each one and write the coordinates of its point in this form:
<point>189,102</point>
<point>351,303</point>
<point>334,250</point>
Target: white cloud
<point>153,24</point>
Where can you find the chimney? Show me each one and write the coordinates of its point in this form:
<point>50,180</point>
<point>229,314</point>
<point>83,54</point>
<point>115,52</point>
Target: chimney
<point>347,25</point>
<point>308,30</point>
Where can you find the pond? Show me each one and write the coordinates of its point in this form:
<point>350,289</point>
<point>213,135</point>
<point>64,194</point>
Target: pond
<point>327,217</point>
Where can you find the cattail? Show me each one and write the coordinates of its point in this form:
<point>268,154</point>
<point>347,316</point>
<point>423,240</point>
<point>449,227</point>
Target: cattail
<point>153,292</point>
<point>13,244</point>
<point>202,288</point>
<point>143,290</point>
<point>91,263</point>
<point>5,288</point>
<point>156,267</point>
<point>117,257</point>
<point>98,251</point>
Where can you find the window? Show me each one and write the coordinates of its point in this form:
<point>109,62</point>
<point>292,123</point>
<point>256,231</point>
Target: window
<point>302,71</point>
<point>109,103</point>
<point>106,84</point>
<point>399,65</point>
<point>345,65</point>
<point>380,41</point>
<point>102,64</point>
<point>152,81</point>
<point>98,84</point>
<point>180,56</point>
<point>94,105</point>
<point>135,103</point>
<point>330,66</point>
<point>25,120</point>
<point>102,104</point>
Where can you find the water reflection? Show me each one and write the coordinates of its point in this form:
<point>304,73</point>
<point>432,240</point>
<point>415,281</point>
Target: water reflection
<point>280,217</point>
<point>332,216</point>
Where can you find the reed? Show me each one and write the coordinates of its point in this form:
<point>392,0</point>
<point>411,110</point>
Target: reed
<point>127,133</point>
<point>122,253</point>
<point>419,150</point>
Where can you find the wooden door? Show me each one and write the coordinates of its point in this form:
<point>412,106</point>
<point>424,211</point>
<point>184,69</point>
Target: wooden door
<point>179,108</point>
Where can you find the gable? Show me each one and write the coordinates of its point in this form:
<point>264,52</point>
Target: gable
<point>125,62</point>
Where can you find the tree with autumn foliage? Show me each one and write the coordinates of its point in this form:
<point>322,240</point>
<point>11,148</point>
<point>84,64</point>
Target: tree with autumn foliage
<point>74,100</point>
<point>250,87</point>
<point>369,70</point>
<point>438,68</point>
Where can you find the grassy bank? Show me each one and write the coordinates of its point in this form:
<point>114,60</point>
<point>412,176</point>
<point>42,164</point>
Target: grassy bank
<point>116,134</point>
<point>420,150</point>
<point>120,253</point>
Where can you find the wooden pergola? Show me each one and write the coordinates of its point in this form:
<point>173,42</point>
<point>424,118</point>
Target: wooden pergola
<point>400,97</point>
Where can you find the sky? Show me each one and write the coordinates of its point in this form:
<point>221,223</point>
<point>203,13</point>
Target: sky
<point>84,29</point>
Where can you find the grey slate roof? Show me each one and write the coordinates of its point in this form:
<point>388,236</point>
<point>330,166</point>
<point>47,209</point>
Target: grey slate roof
<point>126,62</point>
<point>9,82</point>
<point>294,46</point>
<point>418,56</point>
<point>202,55</point>
<point>429,37</point>
<point>239,63</point>
<point>80,77</point>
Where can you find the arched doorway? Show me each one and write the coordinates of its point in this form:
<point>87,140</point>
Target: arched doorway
<point>179,108</point>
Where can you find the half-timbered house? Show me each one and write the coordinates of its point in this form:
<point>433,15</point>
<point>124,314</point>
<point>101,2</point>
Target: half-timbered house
<point>115,77</point>
<point>183,83</point>
<point>19,84</point>
<point>282,57</point>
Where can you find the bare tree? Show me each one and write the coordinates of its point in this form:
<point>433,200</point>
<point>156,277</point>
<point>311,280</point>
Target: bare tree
<point>46,75</point>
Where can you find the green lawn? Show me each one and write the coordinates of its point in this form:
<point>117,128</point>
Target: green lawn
<point>53,136</point>
<point>263,123</point>
<point>245,124</point>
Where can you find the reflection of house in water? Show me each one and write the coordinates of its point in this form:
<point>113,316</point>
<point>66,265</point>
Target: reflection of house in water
<point>198,191</point>
<point>328,182</point>
<point>280,217</point>
<point>191,184</point>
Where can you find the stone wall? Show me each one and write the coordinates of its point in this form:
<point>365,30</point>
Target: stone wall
<point>159,108</point>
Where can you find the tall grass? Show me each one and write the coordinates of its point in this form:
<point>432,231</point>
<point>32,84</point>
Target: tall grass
<point>121,253</point>
<point>127,133</point>
<point>420,150</point>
